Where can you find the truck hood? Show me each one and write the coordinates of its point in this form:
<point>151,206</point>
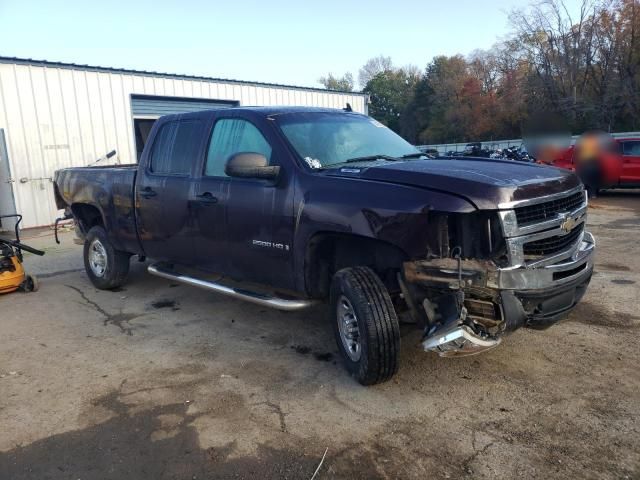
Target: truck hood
<point>486,183</point>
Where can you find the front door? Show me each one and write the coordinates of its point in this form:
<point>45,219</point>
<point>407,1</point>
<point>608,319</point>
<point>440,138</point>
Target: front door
<point>208,202</point>
<point>247,232</point>
<point>7,203</point>
<point>164,188</point>
<point>630,162</point>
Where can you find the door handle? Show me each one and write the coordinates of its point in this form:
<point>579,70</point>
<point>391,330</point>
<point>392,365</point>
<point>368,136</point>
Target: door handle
<point>147,192</point>
<point>207,197</point>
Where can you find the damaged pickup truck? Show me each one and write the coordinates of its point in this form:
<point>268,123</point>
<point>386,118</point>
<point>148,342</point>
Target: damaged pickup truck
<point>291,206</point>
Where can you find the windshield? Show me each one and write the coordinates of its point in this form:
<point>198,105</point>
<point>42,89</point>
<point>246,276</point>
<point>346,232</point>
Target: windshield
<point>323,139</point>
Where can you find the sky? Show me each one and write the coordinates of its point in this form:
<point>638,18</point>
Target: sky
<point>279,41</point>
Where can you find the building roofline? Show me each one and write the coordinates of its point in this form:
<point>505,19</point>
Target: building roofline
<point>75,66</point>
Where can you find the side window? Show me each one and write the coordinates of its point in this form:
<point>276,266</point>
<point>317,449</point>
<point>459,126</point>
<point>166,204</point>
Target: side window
<point>161,152</point>
<point>631,148</point>
<point>175,147</point>
<point>231,136</point>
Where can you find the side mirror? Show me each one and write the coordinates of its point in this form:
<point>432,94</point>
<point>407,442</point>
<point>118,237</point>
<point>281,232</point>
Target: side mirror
<point>250,165</point>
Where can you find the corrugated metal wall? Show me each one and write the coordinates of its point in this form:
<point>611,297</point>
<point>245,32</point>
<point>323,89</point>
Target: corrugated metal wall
<point>56,117</point>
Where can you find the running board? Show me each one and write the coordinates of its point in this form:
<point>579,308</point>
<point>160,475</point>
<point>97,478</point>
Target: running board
<point>253,297</point>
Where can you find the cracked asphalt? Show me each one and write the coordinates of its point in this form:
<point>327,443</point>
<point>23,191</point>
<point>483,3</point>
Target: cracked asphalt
<point>159,380</point>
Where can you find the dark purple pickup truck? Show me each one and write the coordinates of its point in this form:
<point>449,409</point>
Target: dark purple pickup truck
<point>297,205</point>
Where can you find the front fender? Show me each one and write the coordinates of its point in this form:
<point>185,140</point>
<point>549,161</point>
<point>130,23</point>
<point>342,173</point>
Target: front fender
<point>396,214</point>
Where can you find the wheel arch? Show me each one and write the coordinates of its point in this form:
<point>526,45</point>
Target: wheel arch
<point>87,216</point>
<point>328,252</point>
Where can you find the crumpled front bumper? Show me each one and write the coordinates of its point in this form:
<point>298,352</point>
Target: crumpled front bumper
<point>578,266</point>
<point>548,295</point>
<point>524,296</point>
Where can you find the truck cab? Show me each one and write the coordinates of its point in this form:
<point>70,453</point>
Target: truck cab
<point>189,211</point>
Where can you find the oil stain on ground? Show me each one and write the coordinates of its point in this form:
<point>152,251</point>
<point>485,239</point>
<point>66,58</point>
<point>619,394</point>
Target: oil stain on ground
<point>320,356</point>
<point>301,349</point>
<point>616,267</point>
<point>622,281</point>
<point>172,304</point>
<point>323,357</point>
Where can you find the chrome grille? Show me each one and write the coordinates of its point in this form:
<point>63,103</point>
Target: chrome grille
<point>536,230</point>
<point>551,245</point>
<point>546,210</point>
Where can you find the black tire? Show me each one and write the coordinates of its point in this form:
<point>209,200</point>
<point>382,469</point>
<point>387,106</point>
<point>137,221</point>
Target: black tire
<point>116,263</point>
<point>30,284</point>
<point>377,324</point>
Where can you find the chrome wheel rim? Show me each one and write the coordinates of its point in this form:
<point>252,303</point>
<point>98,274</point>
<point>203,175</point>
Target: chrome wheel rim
<point>348,328</point>
<point>97,258</point>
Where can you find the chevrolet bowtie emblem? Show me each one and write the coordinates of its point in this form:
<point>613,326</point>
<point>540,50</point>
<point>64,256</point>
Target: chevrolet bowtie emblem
<point>568,224</point>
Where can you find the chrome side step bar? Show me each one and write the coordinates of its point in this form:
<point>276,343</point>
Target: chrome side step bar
<point>260,299</point>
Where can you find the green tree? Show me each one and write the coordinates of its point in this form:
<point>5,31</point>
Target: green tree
<point>445,78</point>
<point>344,83</point>
<point>390,92</point>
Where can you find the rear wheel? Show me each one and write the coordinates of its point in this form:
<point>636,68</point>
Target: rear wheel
<point>365,325</point>
<point>106,267</point>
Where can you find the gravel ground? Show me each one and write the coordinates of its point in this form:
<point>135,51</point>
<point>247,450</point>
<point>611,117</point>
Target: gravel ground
<point>159,380</point>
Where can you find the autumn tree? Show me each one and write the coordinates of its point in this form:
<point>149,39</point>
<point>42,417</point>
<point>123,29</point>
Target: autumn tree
<point>557,71</point>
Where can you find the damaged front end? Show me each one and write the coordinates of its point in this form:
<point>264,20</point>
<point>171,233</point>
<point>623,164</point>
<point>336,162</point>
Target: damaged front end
<point>490,273</point>
<point>461,315</point>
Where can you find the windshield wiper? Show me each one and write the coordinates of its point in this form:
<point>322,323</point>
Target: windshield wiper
<point>414,155</point>
<point>369,158</point>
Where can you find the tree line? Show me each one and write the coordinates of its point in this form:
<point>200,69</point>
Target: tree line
<point>554,73</point>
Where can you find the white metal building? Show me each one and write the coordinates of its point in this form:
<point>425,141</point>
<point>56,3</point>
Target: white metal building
<point>56,115</point>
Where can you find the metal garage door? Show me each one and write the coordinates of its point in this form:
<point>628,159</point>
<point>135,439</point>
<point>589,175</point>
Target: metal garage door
<point>150,106</point>
<point>146,109</point>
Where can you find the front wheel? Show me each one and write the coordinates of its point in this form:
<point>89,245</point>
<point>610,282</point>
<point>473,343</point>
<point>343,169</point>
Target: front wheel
<point>106,267</point>
<point>365,325</point>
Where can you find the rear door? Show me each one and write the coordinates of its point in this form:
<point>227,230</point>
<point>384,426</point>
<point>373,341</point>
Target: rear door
<point>630,162</point>
<point>163,189</point>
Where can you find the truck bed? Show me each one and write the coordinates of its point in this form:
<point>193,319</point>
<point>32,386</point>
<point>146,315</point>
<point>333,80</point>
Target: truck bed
<point>110,191</point>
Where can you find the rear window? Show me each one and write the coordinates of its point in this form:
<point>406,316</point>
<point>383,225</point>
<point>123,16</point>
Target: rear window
<point>175,147</point>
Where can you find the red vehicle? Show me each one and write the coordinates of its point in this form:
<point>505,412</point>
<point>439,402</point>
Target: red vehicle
<point>619,167</point>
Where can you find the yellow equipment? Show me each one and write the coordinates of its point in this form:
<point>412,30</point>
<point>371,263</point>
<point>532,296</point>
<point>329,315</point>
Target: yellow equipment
<point>12,274</point>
